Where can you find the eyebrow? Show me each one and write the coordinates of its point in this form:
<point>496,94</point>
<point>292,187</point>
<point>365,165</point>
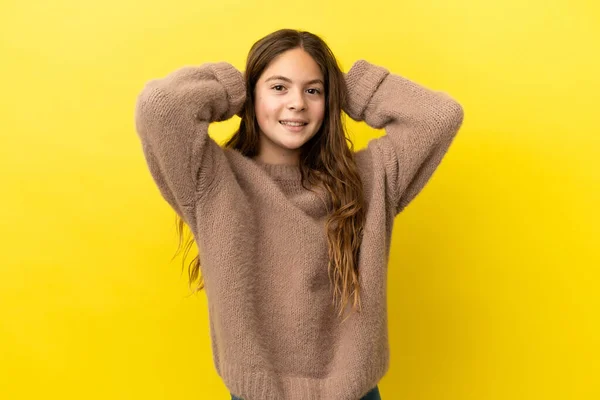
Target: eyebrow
<point>283,78</point>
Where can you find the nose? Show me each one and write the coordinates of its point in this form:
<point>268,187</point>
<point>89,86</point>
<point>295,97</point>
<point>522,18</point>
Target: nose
<point>296,101</point>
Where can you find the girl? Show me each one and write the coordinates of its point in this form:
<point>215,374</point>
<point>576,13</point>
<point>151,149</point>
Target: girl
<point>292,226</point>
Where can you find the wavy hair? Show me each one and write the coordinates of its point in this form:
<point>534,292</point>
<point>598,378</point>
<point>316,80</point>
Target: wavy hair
<point>326,160</point>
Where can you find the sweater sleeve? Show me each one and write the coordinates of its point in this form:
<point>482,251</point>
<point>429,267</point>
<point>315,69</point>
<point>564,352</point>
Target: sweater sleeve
<point>420,125</point>
<point>172,116</point>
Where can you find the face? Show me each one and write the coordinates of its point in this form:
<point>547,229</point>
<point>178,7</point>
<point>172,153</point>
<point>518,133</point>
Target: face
<point>289,106</point>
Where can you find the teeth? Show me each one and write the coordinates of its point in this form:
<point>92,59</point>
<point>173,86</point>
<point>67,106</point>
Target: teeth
<point>292,123</point>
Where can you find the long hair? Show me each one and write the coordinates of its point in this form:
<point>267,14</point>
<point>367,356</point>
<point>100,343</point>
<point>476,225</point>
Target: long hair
<point>326,160</point>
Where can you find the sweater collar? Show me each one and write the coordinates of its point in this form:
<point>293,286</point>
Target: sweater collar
<point>280,171</point>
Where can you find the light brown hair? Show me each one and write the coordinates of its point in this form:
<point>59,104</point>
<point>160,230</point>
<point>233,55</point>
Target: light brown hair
<point>326,160</point>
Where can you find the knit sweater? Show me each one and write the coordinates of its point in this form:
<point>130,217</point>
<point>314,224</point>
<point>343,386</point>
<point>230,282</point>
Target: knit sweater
<point>260,234</point>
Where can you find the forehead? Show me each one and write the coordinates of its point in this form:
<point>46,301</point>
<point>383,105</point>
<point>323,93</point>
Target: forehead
<point>295,64</point>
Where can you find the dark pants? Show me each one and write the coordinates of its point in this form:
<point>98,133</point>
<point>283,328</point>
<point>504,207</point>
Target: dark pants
<point>372,395</point>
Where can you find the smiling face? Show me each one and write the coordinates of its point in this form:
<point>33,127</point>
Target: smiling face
<point>289,106</point>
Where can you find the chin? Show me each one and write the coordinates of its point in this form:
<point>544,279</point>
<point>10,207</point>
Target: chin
<point>294,146</point>
<point>293,143</point>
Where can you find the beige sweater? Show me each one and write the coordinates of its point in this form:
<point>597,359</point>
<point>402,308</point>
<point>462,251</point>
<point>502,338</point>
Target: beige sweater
<point>261,236</point>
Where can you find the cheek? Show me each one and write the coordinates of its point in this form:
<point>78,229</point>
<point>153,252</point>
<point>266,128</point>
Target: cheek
<point>265,109</point>
<point>258,110</point>
<point>319,112</point>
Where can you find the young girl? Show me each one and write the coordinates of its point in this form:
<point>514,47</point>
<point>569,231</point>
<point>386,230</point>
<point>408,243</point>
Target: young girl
<point>293,227</point>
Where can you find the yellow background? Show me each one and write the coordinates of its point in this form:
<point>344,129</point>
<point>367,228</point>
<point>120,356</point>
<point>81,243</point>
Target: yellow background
<point>494,272</point>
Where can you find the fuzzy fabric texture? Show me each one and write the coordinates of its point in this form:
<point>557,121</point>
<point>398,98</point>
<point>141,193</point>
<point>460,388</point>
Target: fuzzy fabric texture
<point>261,236</point>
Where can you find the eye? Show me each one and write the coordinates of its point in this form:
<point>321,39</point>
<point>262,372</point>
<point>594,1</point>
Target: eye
<point>278,88</point>
<point>315,91</point>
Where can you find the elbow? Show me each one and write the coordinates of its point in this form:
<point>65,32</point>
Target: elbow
<point>151,107</point>
<point>450,116</point>
<point>456,116</point>
<point>444,119</point>
<point>149,97</point>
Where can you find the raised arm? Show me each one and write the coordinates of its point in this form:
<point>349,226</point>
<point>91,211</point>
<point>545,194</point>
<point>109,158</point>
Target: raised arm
<point>172,117</point>
<point>420,125</point>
